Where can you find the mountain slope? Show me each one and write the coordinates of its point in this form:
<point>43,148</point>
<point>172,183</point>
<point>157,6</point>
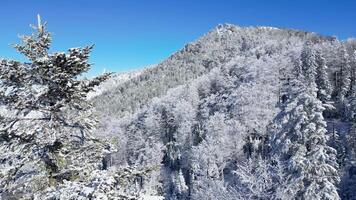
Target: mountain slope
<point>208,109</point>
<point>214,49</point>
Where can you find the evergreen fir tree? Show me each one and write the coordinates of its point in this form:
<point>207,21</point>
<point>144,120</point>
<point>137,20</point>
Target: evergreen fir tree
<point>353,72</point>
<point>180,188</point>
<point>301,143</point>
<point>345,75</point>
<point>348,184</point>
<point>352,97</point>
<point>322,79</point>
<point>45,135</point>
<point>309,64</point>
<point>174,184</point>
<point>352,106</point>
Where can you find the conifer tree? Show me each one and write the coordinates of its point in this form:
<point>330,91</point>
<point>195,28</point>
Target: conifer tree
<point>300,142</point>
<point>322,79</point>
<point>348,184</point>
<point>180,188</point>
<point>45,135</point>
<point>352,105</point>
<point>174,183</point>
<point>352,98</point>
<point>48,87</point>
<point>345,75</point>
<point>353,71</point>
<point>309,64</point>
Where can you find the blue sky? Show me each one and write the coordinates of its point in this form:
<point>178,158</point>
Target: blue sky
<point>129,34</point>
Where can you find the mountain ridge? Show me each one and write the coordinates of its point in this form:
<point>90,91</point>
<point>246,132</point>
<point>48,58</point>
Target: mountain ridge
<point>241,81</point>
<point>187,65</point>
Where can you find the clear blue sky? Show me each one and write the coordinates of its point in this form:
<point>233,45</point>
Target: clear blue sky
<point>129,34</point>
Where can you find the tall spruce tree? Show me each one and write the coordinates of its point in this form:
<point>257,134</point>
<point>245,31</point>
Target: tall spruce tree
<point>352,105</point>
<point>345,75</point>
<point>353,71</point>
<point>47,89</point>
<point>352,96</point>
<point>300,142</point>
<point>174,183</point>
<point>322,79</point>
<point>46,124</point>
<point>309,64</point>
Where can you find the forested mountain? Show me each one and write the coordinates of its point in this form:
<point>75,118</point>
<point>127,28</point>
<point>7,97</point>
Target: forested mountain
<point>214,49</point>
<point>240,113</point>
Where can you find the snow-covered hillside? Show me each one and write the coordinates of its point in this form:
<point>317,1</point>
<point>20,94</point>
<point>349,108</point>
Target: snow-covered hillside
<point>208,114</point>
<point>114,81</point>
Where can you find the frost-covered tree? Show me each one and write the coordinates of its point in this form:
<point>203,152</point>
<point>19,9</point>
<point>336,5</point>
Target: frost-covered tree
<point>300,141</point>
<point>322,79</point>
<point>175,135</point>
<point>351,101</point>
<point>46,90</point>
<point>345,75</point>
<point>180,190</point>
<point>353,71</point>
<point>46,145</point>
<point>309,63</point>
<point>348,184</point>
<point>259,178</point>
<point>352,105</point>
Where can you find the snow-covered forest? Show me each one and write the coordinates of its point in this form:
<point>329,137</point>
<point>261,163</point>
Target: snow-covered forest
<point>240,113</point>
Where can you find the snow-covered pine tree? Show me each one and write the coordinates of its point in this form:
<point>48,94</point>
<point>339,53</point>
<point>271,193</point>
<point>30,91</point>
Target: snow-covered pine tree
<point>180,188</point>
<point>322,79</point>
<point>353,71</point>
<point>46,90</point>
<point>309,63</point>
<point>174,160</point>
<point>300,142</point>
<point>348,184</point>
<point>352,105</point>
<point>45,142</point>
<point>352,96</point>
<point>297,67</point>
<point>345,75</point>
